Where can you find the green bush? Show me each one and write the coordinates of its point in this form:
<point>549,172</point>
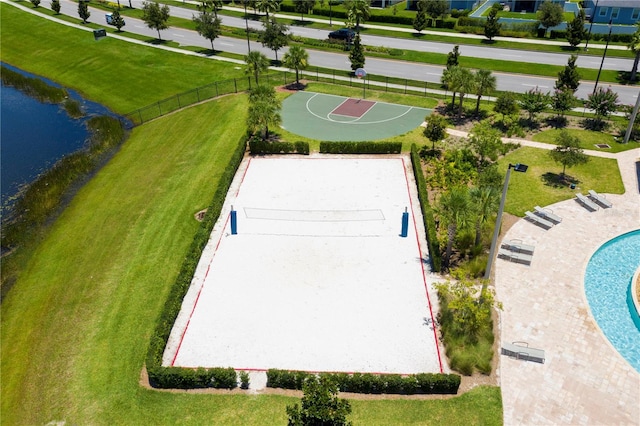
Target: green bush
<point>260,147</point>
<point>465,21</point>
<point>189,378</point>
<point>360,147</point>
<point>171,377</point>
<point>427,212</point>
<point>425,383</point>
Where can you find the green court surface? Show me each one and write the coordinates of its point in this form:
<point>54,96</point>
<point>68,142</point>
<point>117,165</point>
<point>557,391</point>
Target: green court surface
<point>314,116</point>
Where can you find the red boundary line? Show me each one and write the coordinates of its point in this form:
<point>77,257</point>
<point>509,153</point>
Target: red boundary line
<point>207,273</point>
<point>424,277</point>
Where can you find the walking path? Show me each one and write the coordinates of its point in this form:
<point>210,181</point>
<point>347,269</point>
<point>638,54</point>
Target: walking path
<point>584,380</point>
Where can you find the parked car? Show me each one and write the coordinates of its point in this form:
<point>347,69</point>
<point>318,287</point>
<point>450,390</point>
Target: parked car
<point>346,34</point>
<point>109,18</point>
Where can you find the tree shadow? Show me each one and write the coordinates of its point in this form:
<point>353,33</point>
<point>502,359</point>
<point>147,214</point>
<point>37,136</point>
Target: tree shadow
<point>488,42</point>
<point>624,76</point>
<point>530,124</point>
<point>558,180</point>
<point>594,124</point>
<point>418,35</point>
<point>570,49</point>
<point>300,23</point>
<point>209,52</point>
<point>556,121</point>
<point>157,41</point>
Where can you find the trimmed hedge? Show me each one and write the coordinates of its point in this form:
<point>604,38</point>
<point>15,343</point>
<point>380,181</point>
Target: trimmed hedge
<point>427,211</point>
<point>260,147</point>
<point>360,147</point>
<point>173,377</point>
<point>424,383</point>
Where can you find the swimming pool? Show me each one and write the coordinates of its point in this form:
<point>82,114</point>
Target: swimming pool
<point>607,280</point>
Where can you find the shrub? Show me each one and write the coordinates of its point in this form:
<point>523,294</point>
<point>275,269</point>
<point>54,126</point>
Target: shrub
<point>427,211</point>
<point>360,147</point>
<point>260,147</point>
<point>244,380</point>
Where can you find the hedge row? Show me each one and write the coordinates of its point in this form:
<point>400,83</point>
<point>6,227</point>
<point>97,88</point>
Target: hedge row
<point>424,383</point>
<point>427,211</point>
<point>360,147</point>
<point>167,377</point>
<point>260,147</point>
<point>188,378</point>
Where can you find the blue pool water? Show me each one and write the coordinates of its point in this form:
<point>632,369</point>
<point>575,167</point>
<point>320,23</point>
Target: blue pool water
<point>607,285</point>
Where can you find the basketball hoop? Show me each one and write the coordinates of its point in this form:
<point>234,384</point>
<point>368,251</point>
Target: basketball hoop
<point>361,73</point>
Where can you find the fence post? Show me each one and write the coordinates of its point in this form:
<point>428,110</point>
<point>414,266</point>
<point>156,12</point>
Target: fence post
<point>386,84</point>
<point>216,89</point>
<point>159,109</point>
<point>198,94</point>
<point>178,97</point>
<point>235,84</point>
<point>334,77</point>
<point>425,88</point>
<point>140,116</point>
<point>317,75</point>
<point>405,86</point>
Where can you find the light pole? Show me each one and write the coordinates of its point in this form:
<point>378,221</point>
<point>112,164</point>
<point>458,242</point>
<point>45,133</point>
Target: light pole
<point>603,56</point>
<point>593,15</point>
<point>522,168</point>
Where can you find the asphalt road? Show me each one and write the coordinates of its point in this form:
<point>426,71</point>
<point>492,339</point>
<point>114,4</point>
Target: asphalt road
<point>340,61</point>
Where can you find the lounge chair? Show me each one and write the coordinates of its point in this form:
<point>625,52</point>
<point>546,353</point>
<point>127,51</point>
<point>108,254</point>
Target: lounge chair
<point>600,199</point>
<point>590,205</point>
<point>521,350</point>
<point>516,246</point>
<point>538,220</point>
<point>515,257</point>
<point>547,214</point>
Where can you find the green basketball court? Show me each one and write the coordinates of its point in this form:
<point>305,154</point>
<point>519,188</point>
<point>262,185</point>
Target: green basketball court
<point>337,118</point>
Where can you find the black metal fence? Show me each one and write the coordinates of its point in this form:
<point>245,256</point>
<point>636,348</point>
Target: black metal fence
<point>236,85</point>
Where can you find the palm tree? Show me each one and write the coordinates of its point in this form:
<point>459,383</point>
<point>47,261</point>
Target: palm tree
<point>467,85</point>
<point>454,78</point>
<point>358,11</point>
<point>454,208</point>
<point>485,203</point>
<point>634,45</point>
<point>256,63</point>
<point>296,58</point>
<point>267,6</point>
<point>264,110</point>
<point>485,83</point>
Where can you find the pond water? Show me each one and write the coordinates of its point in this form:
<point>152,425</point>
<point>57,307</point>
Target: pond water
<point>35,135</point>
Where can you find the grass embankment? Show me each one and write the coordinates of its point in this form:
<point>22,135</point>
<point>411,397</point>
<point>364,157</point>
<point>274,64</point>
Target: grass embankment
<point>537,186</point>
<point>122,75</point>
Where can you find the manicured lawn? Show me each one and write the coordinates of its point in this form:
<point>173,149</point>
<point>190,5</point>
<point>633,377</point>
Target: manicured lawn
<point>532,188</point>
<point>588,139</point>
<point>130,76</point>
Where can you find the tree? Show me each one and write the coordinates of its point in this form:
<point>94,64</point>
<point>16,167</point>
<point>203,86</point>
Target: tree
<point>634,45</point>
<point>264,110</point>
<point>485,204</point>
<point>303,6</point>
<point>155,16</point>
<point>267,6</point>
<point>274,36</point>
<point>485,142</point>
<point>320,405</point>
<point>569,77</point>
<point>83,11</point>
<point>575,30</point>
<point>356,55</point>
<point>436,9</point>
<point>485,84</point>
<point>297,59</point>
<point>568,152</point>
<point>213,5</point>
<point>550,14</point>
<point>466,84</point>
<point>357,12</point>
<point>452,57</point>
<point>436,129</point>
<point>492,26</point>
<point>562,101</point>
<point>420,21</point>
<point>35,3</point>
<point>603,102</point>
<point>117,20</point>
<point>208,26</point>
<point>534,102</point>
<point>454,210</point>
<point>506,104</point>
<point>470,304</point>
<point>457,79</point>
<point>256,63</point>
<point>55,6</point>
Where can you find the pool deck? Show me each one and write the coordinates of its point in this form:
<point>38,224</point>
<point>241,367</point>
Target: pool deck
<point>583,380</point>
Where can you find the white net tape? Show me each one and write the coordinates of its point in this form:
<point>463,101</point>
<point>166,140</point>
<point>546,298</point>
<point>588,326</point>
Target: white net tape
<point>314,215</point>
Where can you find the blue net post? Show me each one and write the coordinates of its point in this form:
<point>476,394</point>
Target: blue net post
<point>405,223</point>
<point>234,222</point>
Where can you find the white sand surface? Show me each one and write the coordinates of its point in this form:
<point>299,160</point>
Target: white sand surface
<point>318,277</point>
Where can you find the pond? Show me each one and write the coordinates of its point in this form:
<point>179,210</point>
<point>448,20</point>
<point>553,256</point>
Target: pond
<point>35,135</point>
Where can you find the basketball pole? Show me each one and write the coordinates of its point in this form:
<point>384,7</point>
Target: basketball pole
<point>364,87</point>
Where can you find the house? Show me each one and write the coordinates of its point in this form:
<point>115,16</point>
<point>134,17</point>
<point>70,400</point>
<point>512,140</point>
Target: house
<point>453,4</point>
<point>528,6</point>
<point>625,12</point>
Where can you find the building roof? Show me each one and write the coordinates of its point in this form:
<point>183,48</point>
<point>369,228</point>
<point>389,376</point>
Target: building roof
<point>631,4</point>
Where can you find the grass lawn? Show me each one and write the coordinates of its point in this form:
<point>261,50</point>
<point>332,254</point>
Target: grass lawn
<point>588,139</point>
<point>130,76</point>
<point>532,188</point>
